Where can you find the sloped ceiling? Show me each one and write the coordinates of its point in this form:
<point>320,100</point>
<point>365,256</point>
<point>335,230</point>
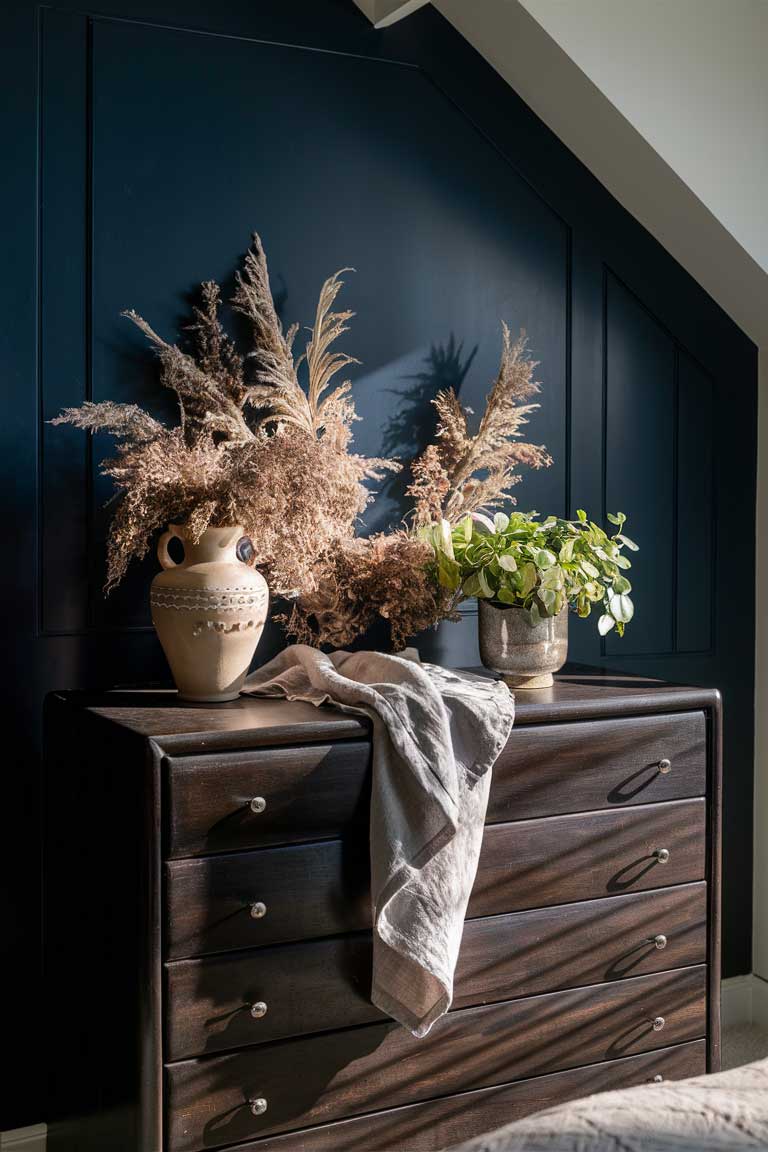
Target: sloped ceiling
<point>690,76</point>
<point>613,148</point>
<point>381,13</point>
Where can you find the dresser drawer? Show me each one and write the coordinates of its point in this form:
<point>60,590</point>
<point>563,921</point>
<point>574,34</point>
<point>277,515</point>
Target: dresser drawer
<point>302,892</point>
<point>535,863</point>
<point>325,984</point>
<point>341,1074</point>
<point>527,864</point>
<point>450,1120</point>
<point>288,795</point>
<point>550,769</point>
<point>271,796</point>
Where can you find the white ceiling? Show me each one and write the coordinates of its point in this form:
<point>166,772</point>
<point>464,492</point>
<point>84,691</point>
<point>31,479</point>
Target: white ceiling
<point>691,77</point>
<point>651,187</point>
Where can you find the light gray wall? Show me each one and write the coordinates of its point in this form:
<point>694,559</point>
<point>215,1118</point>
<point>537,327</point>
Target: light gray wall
<point>691,77</point>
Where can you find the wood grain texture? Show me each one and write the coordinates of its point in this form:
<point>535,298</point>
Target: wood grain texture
<point>316,985</point>
<point>310,792</point>
<point>442,1123</point>
<point>358,1070</point>
<point>243,723</point>
<point>535,863</point>
<point>527,864</point>
<point>578,694</point>
<point>317,790</point>
<point>549,769</point>
<point>309,890</point>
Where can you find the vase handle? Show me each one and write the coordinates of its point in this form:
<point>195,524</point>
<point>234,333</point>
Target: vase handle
<point>163,555</point>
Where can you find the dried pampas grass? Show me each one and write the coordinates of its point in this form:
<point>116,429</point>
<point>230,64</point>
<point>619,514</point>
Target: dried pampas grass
<point>254,447</point>
<point>463,472</point>
<point>387,576</point>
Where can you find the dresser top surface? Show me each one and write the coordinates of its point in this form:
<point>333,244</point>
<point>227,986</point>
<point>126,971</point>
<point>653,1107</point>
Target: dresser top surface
<point>579,693</point>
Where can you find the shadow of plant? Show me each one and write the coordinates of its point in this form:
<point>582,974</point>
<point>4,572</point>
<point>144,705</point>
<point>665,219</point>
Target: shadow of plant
<point>411,425</point>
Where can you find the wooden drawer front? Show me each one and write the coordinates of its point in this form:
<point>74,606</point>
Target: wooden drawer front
<point>325,984</point>
<point>321,889</point>
<point>453,1119</point>
<point>299,794</point>
<point>309,890</point>
<point>551,769</point>
<point>535,863</point>
<point>316,791</point>
<point>526,953</point>
<point>324,1078</point>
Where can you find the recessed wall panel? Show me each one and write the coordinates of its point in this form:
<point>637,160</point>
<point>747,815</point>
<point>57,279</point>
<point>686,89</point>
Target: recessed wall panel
<point>640,414</point>
<point>695,495</point>
<point>336,161</point>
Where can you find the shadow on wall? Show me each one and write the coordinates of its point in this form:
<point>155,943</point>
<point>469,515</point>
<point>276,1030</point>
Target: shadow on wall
<point>411,425</point>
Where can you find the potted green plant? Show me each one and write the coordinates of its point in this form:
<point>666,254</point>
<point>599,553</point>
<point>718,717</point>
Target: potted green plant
<point>526,573</point>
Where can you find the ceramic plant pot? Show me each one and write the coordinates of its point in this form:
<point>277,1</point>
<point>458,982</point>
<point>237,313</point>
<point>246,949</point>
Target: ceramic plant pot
<point>525,654</point>
<point>209,611</point>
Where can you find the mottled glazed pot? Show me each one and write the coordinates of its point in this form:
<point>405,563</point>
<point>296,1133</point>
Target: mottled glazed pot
<point>209,611</point>
<point>525,654</point>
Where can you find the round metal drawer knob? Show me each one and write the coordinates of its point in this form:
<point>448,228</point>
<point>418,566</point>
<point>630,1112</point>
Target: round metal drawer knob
<point>258,804</point>
<point>658,1023</point>
<point>658,1079</point>
<point>665,766</point>
<point>660,941</point>
<point>258,910</point>
<point>258,1010</point>
<point>258,1106</point>
<point>662,855</point>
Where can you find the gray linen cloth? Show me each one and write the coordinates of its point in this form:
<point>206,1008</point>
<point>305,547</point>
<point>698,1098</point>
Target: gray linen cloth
<point>436,735</point>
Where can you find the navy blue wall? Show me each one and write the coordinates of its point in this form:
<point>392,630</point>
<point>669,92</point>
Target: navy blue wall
<point>144,141</point>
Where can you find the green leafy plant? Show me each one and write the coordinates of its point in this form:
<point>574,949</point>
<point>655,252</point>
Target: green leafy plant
<point>538,565</point>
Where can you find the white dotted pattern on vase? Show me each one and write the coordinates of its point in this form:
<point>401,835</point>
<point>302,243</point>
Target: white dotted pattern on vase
<point>213,600</point>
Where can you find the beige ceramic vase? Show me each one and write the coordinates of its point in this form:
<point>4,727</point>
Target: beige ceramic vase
<point>209,611</point>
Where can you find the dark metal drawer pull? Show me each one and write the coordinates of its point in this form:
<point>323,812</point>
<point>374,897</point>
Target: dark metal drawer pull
<point>660,941</point>
<point>658,1023</point>
<point>258,1009</point>
<point>662,855</point>
<point>258,804</point>
<point>665,766</point>
<point>258,1106</point>
<point>258,910</point>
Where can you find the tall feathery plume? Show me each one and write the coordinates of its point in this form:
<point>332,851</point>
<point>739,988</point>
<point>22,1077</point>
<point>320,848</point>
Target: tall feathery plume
<point>253,447</point>
<point>464,473</point>
<point>284,472</point>
<point>276,390</point>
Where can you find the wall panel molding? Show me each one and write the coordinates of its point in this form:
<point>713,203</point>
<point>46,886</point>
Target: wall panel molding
<point>148,137</point>
<point>69,493</point>
<point>690,551</point>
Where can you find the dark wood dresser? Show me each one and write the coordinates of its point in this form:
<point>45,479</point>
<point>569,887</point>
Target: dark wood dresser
<point>207,923</point>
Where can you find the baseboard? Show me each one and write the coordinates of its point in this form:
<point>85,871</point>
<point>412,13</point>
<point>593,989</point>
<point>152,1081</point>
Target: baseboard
<point>744,1000</point>
<point>24,1139</point>
<point>760,1002</point>
<point>736,1001</point>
